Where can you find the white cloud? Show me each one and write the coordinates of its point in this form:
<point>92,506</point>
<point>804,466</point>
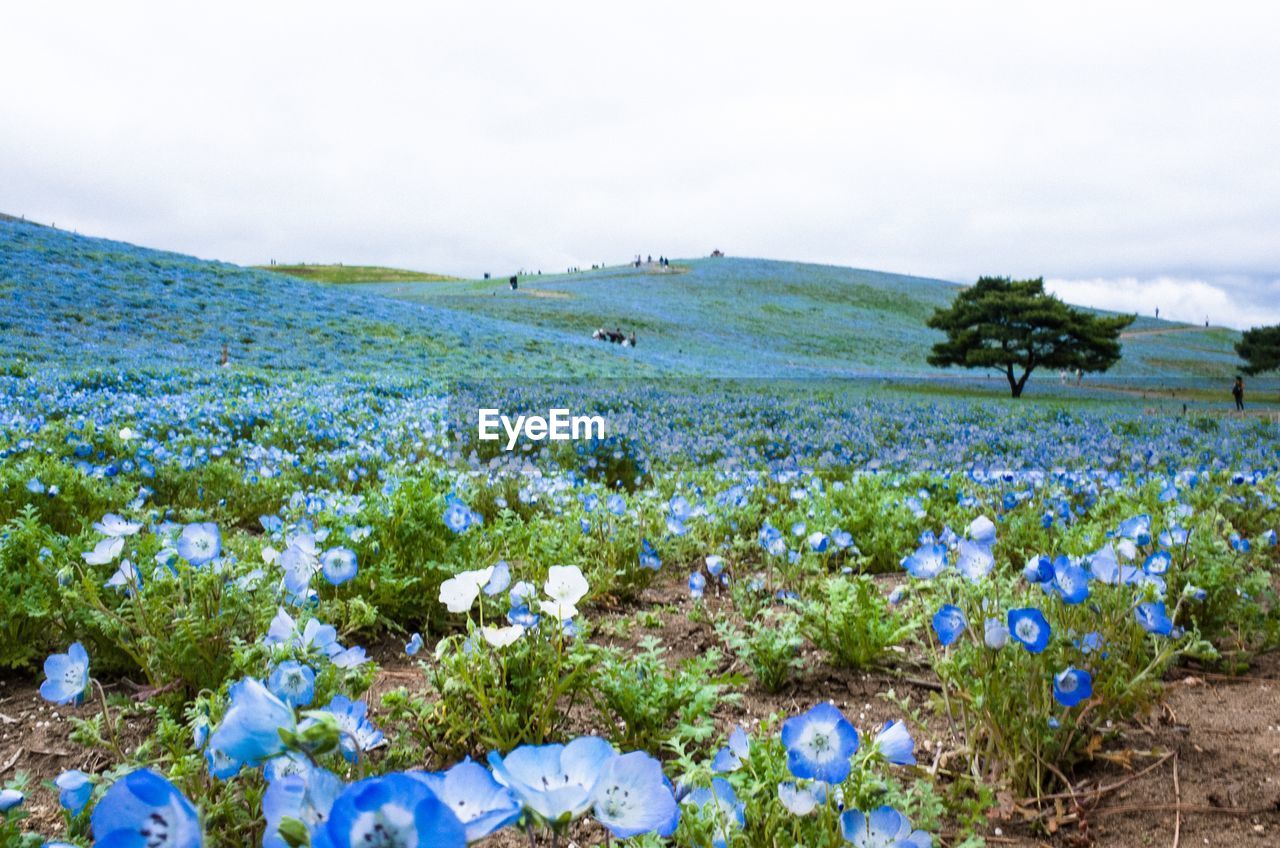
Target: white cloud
<point>1076,141</point>
<point>1193,301</point>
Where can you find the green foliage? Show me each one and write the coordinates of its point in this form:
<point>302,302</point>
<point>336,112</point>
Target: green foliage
<point>1260,349</point>
<point>768,823</point>
<point>491,698</point>
<point>653,706</point>
<point>852,621</point>
<point>1014,325</point>
<point>770,647</point>
<point>411,554</point>
<point>28,590</point>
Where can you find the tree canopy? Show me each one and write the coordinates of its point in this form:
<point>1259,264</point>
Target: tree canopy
<point>1260,349</point>
<point>1014,326</point>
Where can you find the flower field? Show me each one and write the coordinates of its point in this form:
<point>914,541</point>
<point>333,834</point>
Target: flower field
<point>295,601</point>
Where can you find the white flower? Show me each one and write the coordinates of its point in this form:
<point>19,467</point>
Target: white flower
<point>270,554</point>
<point>565,586</point>
<point>128,434</point>
<point>105,551</point>
<point>459,592</point>
<point>1126,549</point>
<point>501,637</point>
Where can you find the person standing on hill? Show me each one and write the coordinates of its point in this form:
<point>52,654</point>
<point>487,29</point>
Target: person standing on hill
<point>1237,392</point>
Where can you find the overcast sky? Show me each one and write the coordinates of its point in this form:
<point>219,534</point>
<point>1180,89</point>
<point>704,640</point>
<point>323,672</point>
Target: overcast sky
<point>1128,152</point>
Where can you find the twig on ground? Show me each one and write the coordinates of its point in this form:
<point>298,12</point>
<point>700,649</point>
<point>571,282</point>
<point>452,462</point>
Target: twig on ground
<point>1187,808</point>
<point>1177,802</point>
<point>1111,787</point>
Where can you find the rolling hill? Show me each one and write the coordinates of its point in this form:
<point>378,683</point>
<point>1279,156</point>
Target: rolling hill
<point>82,303</point>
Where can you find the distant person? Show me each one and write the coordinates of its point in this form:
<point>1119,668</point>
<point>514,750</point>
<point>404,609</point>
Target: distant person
<point>1237,392</point>
<point>514,282</point>
<point>633,338</point>
<point>1157,313</point>
<point>1079,376</point>
<point>226,357</point>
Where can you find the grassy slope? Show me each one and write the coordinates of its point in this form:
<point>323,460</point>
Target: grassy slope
<point>759,317</point>
<point>354,274</point>
<point>81,303</point>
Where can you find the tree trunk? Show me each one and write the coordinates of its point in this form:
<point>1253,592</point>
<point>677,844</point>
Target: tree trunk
<point>1017,384</point>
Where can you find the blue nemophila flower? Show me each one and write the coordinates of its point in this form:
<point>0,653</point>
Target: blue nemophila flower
<point>67,676</point>
<point>458,517</point>
<point>649,556</point>
<point>1137,528</point>
<point>554,781</point>
<point>895,744</point>
<point>392,810</point>
<point>522,616</point>
<point>293,683</point>
<point>499,579</point>
<point>306,795</point>
<point>249,732</point>
<point>144,809</point>
<point>927,562</point>
<point>616,504</point>
<point>1038,569</point>
<point>1104,566</point>
<point>1070,581</point>
<point>358,733</point>
<point>820,744</point>
<point>772,540</point>
<point>802,800</point>
<point>75,788</point>
<point>884,827</point>
<point>413,645</point>
<point>730,757</point>
<point>126,577</point>
<point>113,525</point>
<point>105,551</point>
<point>199,544</point>
<point>697,584</point>
<point>1158,563</point>
<point>290,762</point>
<point>481,803</point>
<point>949,623</point>
<point>338,565</point>
<point>715,565</point>
<point>1071,686</point>
<point>631,797</point>
<point>982,530</point>
<point>522,592</point>
<point>1029,627</point>
<point>995,635</point>
<point>1153,618</point>
<point>974,560</point>
<point>721,803</point>
<point>10,798</point>
<point>818,542</point>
